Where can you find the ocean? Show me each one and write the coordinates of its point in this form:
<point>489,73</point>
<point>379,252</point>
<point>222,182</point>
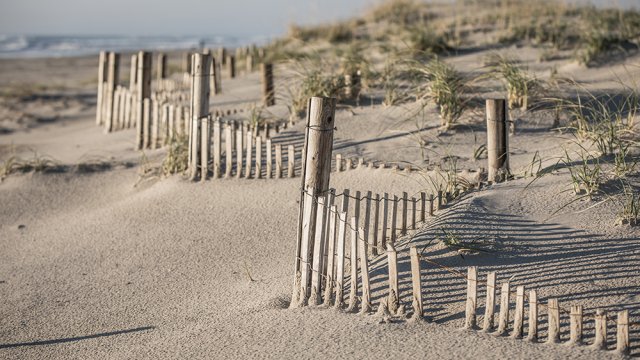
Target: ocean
<point>29,46</point>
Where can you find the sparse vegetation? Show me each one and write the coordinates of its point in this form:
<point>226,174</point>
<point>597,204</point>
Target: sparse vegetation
<point>519,83</point>
<point>447,88</point>
<point>177,158</point>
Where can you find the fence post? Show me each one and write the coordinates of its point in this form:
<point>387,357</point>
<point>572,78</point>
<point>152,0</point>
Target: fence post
<point>622,334</point>
<point>423,201</point>
<point>532,335</point>
<point>376,224</point>
<point>278,161</point>
<point>143,91</point>
<point>416,282</point>
<point>239,151</point>
<point>315,180</point>
<point>472,297</point>
<point>231,63</point>
<point>414,211</point>
<point>331,252</point>
<point>338,162</point>
<point>161,67</point>
<point>199,108</point>
<point>268,93</point>
<point>518,319</point>
<point>102,76</point>
<point>205,146</point>
<point>249,160</point>
<point>342,230</point>
<point>394,218</point>
<point>385,221</point>
<point>217,148</point>
<point>600,341</point>
<point>112,81</point>
<point>258,157</point>
<point>497,140</point>
<point>393,299</point>
<point>575,325</point>
<point>354,265</point>
<point>291,162</point>
<point>269,159</point>
<point>316,278</point>
<point>554,321</point>
<point>367,222</point>
<point>490,306</point>
<point>364,273</point>
<point>503,318</point>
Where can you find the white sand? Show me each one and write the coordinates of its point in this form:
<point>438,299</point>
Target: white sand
<point>85,256</point>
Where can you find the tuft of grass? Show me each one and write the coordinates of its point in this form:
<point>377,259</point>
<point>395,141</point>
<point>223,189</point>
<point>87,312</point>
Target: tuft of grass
<point>177,158</point>
<point>37,163</point>
<point>630,212</point>
<point>447,88</point>
<point>425,41</point>
<point>586,175</point>
<point>519,83</point>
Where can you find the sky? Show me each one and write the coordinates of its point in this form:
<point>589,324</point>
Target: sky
<point>174,17</point>
<point>177,17</point>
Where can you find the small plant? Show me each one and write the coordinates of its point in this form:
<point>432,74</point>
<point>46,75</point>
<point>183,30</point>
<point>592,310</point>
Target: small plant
<point>255,116</point>
<point>177,159</point>
<point>480,152</point>
<point>520,85</point>
<point>37,163</point>
<point>630,211</point>
<point>586,176</point>
<point>425,41</point>
<point>447,87</point>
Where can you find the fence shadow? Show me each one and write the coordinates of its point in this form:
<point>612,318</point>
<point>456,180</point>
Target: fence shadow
<point>76,338</point>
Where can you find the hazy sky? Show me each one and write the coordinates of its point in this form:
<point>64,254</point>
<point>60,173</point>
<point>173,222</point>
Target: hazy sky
<point>172,17</point>
<point>177,17</point>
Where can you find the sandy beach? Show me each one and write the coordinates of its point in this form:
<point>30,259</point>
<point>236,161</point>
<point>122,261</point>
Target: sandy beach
<point>100,259</point>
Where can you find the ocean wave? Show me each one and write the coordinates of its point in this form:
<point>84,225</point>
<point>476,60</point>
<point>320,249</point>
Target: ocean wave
<point>18,46</point>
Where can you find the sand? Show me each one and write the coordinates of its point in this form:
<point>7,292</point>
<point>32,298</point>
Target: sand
<point>96,264</point>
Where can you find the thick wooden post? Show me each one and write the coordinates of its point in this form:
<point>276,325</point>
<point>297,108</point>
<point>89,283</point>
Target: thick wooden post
<point>143,91</point>
<point>199,108</point>
<point>622,334</point>
<point>575,325</point>
<point>600,340</point>
<point>342,230</point>
<point>231,63</point>
<point>554,321</point>
<point>268,93</point>
<point>316,172</point>
<point>393,299</point>
<point>503,317</point>
<point>113,72</point>
<point>497,140</point>
<point>518,318</point>
<point>416,282</point>
<point>490,305</point>
<point>472,297</point>
<point>102,77</point>
<point>532,335</point>
<point>161,72</point>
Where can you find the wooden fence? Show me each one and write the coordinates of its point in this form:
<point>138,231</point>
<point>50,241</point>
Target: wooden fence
<point>344,248</point>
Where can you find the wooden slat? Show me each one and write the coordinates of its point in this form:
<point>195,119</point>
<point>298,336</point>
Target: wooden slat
<point>532,335</point>
<point>622,334</point>
<point>331,254</point>
<point>376,225</point>
<point>316,280</point>
<point>553,321</point>
<point>416,281</point>
<point>600,340</point>
<point>503,317</point>
<point>394,293</point>
<point>472,297</point>
<point>353,291</point>
<point>575,325</point>
<point>518,318</point>
<point>342,231</point>
<point>364,273</point>
<point>490,306</point>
